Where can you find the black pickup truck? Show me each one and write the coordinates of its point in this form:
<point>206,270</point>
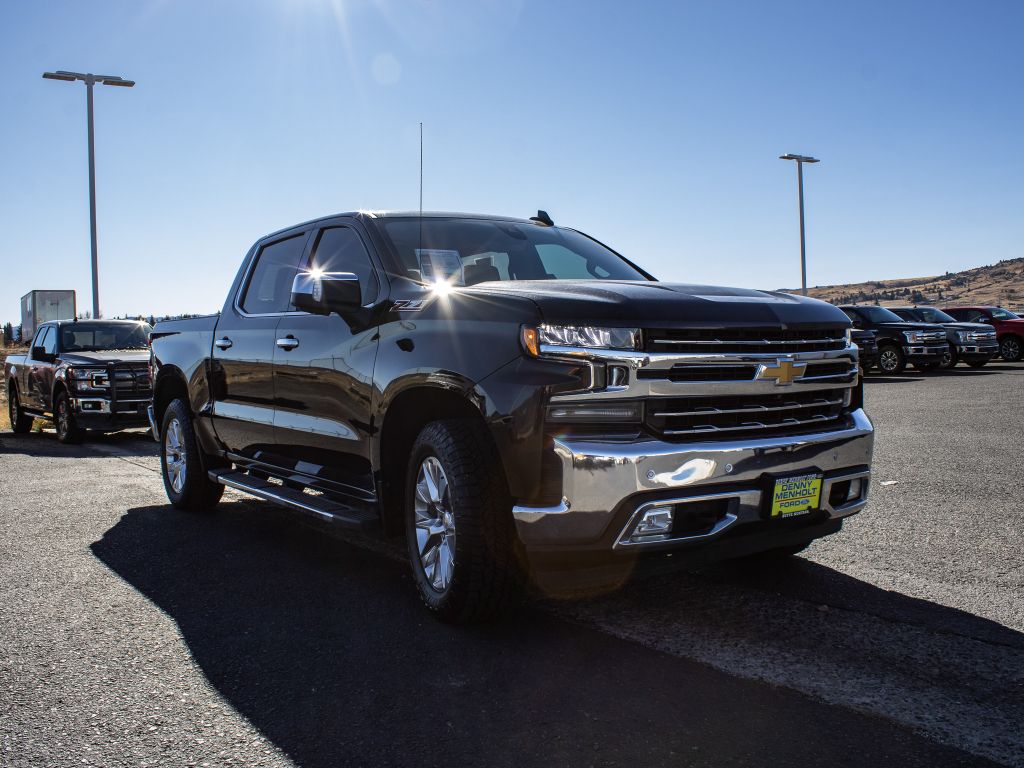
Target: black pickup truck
<point>82,374</point>
<point>973,343</point>
<point>519,401</point>
<point>899,342</point>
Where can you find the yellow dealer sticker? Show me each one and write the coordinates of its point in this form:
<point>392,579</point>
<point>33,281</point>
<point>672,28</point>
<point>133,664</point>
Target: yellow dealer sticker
<point>796,495</point>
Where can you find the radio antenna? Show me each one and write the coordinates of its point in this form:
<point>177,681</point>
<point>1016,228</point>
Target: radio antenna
<point>421,187</point>
<point>421,170</point>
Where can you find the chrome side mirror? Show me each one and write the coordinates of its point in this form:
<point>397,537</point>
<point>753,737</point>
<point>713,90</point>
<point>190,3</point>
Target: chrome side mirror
<point>326,292</point>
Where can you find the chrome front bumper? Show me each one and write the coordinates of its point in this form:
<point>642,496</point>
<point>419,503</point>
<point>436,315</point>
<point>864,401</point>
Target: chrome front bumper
<point>605,483</point>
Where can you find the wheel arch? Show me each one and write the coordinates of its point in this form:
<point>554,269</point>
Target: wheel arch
<point>407,413</point>
<point>170,384</point>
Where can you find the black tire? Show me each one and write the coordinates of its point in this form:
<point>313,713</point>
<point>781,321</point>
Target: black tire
<point>891,359</point>
<point>68,431</point>
<point>951,358</point>
<point>1011,348</point>
<point>483,580</point>
<point>977,363</point>
<point>190,489</point>
<point>21,423</point>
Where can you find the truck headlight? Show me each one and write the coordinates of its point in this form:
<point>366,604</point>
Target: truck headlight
<point>83,378</point>
<point>914,337</point>
<point>579,336</point>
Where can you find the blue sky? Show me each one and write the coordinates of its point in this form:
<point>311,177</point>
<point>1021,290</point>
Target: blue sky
<point>656,127</point>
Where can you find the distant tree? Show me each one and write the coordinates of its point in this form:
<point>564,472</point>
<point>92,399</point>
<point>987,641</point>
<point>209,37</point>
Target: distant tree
<point>8,335</point>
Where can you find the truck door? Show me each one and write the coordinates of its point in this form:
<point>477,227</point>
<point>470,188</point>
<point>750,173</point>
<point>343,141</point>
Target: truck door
<point>39,377</point>
<point>243,348</point>
<point>323,374</point>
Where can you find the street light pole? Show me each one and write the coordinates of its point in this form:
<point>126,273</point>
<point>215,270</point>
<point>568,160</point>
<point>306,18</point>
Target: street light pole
<point>800,160</point>
<point>90,80</point>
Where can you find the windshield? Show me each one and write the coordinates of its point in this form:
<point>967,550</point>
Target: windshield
<point>1004,314</point>
<point>101,337</point>
<point>933,315</point>
<point>471,251</point>
<point>879,315</point>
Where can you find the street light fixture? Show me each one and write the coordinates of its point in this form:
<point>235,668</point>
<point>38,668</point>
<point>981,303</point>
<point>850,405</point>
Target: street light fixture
<point>90,80</point>
<point>800,160</point>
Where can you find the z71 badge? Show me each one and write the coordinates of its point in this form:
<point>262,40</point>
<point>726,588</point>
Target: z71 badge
<point>409,305</point>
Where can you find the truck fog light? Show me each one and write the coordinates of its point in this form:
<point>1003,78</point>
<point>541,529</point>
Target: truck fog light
<point>629,412</point>
<point>856,488</point>
<point>655,522</point>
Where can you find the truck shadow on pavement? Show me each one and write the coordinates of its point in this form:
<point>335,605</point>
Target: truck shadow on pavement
<point>45,444</point>
<point>323,647</point>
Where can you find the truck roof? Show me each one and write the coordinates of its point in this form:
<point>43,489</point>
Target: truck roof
<point>369,214</point>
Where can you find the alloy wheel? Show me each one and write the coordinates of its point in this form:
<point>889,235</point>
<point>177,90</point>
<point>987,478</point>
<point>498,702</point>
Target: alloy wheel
<point>435,524</point>
<point>175,455</point>
<point>888,361</point>
<point>1010,349</point>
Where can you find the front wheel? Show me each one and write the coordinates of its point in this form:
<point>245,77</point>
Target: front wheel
<point>950,358</point>
<point>68,431</point>
<point>185,479</point>
<point>1011,349</point>
<point>21,423</point>
<point>891,360</point>
<point>458,524</point>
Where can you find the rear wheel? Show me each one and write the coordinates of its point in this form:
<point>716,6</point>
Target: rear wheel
<point>181,463</point>
<point>891,359</point>
<point>21,423</point>
<point>458,524</point>
<point>68,431</point>
<point>1011,348</point>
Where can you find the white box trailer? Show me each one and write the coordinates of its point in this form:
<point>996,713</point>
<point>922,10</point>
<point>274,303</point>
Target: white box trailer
<point>42,306</point>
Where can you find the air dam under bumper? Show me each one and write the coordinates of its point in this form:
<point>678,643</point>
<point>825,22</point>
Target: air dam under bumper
<point>607,485</point>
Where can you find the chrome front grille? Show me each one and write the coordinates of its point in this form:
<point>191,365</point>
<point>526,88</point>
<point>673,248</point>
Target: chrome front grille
<point>841,370</point>
<point>743,340</point>
<point>930,337</point>
<point>733,416</point>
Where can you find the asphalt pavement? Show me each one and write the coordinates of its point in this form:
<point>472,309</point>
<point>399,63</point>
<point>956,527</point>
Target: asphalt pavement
<point>131,634</point>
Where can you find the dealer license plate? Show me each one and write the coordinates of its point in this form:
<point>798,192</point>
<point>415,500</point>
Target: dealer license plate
<point>796,495</point>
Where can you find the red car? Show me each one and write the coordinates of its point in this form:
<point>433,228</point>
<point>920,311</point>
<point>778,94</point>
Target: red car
<point>1009,327</point>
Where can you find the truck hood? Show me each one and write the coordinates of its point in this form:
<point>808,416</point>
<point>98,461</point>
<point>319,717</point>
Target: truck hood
<point>912,326</point>
<point>968,326</point>
<point>654,304</point>
<point>102,358</point>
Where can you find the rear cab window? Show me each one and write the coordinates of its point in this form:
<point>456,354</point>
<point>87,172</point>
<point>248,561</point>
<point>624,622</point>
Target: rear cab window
<point>268,290</point>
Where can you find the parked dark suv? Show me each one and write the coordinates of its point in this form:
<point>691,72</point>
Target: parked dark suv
<point>899,342</point>
<point>974,343</point>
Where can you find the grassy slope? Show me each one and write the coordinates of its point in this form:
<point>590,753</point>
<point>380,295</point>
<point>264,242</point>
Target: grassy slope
<point>1001,283</point>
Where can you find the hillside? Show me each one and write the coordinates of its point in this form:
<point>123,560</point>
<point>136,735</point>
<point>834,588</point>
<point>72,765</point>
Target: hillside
<point>1001,284</point>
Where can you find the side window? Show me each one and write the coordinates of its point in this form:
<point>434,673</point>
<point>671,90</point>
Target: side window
<point>37,340</point>
<point>49,341</point>
<point>976,316</point>
<point>339,249</point>
<point>270,283</point>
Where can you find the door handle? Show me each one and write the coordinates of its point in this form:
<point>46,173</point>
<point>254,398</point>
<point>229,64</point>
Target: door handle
<point>288,342</point>
<point>224,343</point>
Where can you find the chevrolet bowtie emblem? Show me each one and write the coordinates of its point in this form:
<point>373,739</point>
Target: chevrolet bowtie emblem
<point>784,372</point>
